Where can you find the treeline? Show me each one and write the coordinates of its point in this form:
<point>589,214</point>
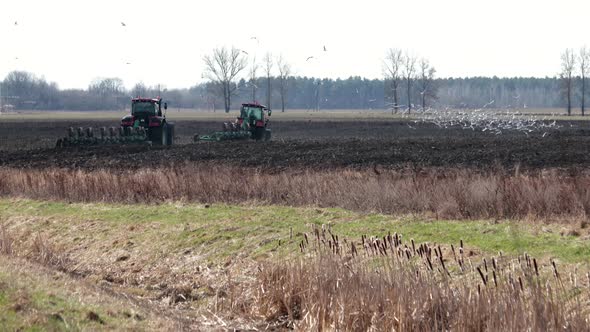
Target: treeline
<point>22,90</point>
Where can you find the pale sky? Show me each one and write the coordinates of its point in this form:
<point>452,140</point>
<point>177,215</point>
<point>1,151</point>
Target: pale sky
<point>73,42</point>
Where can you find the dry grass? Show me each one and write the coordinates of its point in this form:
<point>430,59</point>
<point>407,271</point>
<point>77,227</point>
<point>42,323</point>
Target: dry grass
<point>456,194</point>
<point>46,253</point>
<point>393,285</point>
<point>6,241</point>
<point>39,249</point>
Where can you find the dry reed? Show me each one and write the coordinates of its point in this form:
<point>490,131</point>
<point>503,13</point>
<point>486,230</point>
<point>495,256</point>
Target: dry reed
<point>6,241</point>
<point>457,194</point>
<point>386,284</point>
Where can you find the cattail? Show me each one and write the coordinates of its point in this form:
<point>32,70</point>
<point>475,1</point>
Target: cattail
<point>482,276</point>
<point>494,263</point>
<point>485,264</point>
<point>555,269</point>
<point>413,246</point>
<point>520,283</point>
<point>495,281</point>
<point>442,262</point>
<point>536,267</point>
<point>306,239</point>
<point>461,244</point>
<point>429,263</point>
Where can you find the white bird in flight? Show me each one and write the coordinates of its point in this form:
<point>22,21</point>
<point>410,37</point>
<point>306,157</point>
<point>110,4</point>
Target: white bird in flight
<point>123,24</point>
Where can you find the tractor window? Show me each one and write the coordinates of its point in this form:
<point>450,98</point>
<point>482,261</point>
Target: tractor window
<point>144,107</point>
<point>256,113</point>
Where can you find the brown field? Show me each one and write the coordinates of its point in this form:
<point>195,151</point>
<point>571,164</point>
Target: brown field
<point>297,233</point>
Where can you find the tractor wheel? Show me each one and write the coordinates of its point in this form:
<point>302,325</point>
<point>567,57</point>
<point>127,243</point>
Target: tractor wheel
<point>155,135</point>
<point>164,134</point>
<point>267,135</point>
<point>259,133</point>
<point>159,135</point>
<point>170,133</point>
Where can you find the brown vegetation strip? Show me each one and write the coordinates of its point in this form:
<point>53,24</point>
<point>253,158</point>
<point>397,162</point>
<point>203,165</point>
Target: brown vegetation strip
<point>457,194</point>
<point>386,284</point>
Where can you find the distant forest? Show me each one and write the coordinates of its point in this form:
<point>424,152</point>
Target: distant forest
<point>23,90</point>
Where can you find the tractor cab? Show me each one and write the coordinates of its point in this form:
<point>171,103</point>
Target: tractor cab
<point>145,113</point>
<point>253,115</point>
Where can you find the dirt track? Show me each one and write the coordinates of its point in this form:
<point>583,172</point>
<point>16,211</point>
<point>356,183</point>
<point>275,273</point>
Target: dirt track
<point>320,144</point>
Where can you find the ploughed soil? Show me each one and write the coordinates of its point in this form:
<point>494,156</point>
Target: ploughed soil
<point>303,144</point>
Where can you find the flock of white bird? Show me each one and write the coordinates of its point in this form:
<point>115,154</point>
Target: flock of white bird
<point>485,120</point>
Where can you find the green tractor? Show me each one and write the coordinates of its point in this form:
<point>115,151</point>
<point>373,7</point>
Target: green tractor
<point>252,123</point>
<point>145,124</point>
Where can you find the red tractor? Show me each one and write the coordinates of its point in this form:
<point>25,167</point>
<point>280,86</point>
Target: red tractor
<point>146,113</point>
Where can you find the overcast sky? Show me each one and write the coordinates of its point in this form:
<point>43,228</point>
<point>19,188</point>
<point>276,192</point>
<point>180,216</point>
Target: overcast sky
<point>73,42</point>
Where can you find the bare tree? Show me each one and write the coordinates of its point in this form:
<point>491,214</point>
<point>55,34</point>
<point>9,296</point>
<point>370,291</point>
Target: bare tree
<point>427,87</point>
<point>284,73</point>
<point>222,67</point>
<point>253,70</point>
<point>584,65</point>
<point>568,62</point>
<point>139,90</point>
<point>392,68</point>
<point>268,64</point>
<point>409,70</point>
